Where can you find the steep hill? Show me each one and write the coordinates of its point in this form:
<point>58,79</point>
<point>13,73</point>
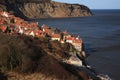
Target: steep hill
<point>44,9</point>
<point>29,60</point>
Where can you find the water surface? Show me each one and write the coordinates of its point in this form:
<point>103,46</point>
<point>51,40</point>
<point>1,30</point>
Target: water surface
<point>101,36</point>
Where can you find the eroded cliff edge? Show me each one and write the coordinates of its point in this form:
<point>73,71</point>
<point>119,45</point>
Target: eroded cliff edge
<point>50,9</point>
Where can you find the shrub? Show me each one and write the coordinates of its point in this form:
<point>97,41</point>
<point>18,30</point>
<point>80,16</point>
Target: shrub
<point>16,54</point>
<point>25,54</point>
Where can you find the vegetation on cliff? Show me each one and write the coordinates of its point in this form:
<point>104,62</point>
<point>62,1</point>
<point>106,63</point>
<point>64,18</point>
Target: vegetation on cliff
<point>23,54</point>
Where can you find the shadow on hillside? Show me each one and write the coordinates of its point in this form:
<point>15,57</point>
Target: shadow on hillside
<point>81,72</point>
<point>30,56</point>
<point>3,77</point>
<point>13,7</point>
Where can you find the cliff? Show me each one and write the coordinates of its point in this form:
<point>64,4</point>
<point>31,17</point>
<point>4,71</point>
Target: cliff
<point>45,9</point>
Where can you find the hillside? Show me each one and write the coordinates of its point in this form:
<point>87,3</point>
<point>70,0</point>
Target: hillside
<point>29,58</point>
<point>44,9</point>
<point>32,52</point>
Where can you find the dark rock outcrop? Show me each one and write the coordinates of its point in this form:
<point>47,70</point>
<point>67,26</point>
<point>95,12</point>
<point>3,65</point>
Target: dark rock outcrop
<point>45,9</point>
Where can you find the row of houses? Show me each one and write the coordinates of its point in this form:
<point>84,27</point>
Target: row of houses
<point>64,37</point>
<point>14,25</point>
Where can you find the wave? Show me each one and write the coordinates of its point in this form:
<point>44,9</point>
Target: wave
<point>99,75</point>
<point>104,77</point>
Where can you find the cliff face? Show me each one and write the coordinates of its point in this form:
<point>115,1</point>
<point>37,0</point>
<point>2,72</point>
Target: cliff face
<point>54,9</point>
<point>47,9</point>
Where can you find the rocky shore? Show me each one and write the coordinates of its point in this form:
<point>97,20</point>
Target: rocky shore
<point>45,9</point>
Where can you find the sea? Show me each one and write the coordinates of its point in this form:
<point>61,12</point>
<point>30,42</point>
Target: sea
<point>101,36</point>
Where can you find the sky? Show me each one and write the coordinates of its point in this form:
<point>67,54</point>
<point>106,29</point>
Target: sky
<point>96,4</point>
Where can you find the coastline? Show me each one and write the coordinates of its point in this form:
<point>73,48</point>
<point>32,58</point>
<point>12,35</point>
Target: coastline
<point>60,17</point>
<point>72,62</point>
<point>75,57</point>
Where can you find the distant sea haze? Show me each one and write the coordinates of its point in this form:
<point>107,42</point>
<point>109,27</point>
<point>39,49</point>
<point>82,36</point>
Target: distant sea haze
<point>101,36</point>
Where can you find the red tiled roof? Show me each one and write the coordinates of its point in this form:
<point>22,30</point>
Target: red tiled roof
<point>34,24</point>
<point>1,12</point>
<point>2,20</point>
<point>18,23</point>
<point>70,38</point>
<point>33,27</point>
<point>45,27</point>
<point>38,33</point>
<point>77,41</point>
<point>3,28</point>
<point>55,36</point>
<point>74,39</point>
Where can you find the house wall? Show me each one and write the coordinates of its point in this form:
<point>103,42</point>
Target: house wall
<point>58,39</point>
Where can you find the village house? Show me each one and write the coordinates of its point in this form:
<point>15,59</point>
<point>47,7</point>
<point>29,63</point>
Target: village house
<point>32,33</point>
<point>55,37</point>
<point>39,33</point>
<point>27,32</point>
<point>3,28</point>
<point>18,25</point>
<point>47,30</point>
<point>21,31</point>
<point>5,14</point>
<point>75,41</point>
<point>69,39</point>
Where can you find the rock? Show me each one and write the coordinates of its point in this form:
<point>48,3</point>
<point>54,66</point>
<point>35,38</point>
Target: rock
<point>81,55</point>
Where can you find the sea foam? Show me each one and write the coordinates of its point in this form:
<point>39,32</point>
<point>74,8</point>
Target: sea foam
<point>104,77</point>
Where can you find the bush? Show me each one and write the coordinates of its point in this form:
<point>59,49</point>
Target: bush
<point>16,54</point>
<point>25,54</point>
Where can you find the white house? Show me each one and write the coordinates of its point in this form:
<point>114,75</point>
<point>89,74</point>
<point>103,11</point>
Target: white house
<point>5,14</point>
<point>55,37</point>
<point>32,33</point>
<point>69,40</point>
<point>20,30</point>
